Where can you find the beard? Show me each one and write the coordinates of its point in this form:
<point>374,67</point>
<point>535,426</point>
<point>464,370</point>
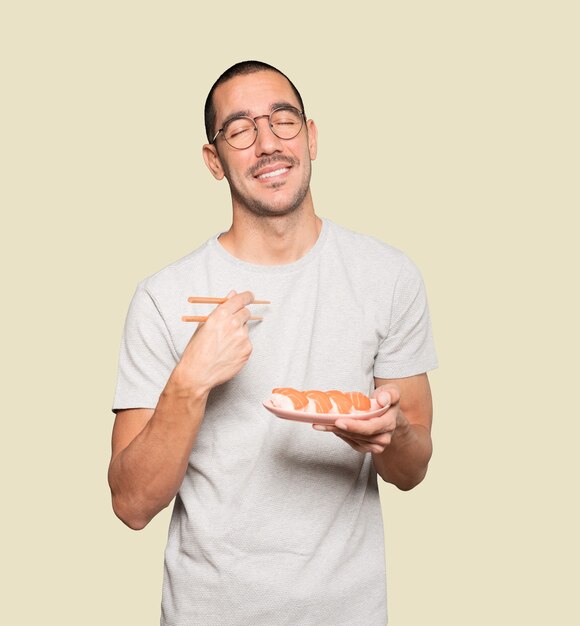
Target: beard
<point>262,209</point>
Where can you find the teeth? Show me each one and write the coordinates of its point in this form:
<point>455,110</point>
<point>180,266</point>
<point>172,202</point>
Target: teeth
<point>274,173</point>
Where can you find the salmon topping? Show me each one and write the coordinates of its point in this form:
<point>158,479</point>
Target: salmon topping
<point>360,402</point>
<point>343,403</point>
<point>320,399</point>
<point>299,399</point>
<point>332,401</point>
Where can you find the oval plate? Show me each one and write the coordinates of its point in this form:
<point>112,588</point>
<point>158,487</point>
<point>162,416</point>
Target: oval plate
<point>323,418</point>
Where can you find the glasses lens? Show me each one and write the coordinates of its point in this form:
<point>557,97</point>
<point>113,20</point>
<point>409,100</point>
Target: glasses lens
<point>286,123</point>
<point>240,133</point>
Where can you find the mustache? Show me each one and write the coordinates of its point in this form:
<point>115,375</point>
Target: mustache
<point>271,160</point>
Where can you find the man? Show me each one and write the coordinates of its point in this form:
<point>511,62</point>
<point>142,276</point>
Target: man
<point>274,522</point>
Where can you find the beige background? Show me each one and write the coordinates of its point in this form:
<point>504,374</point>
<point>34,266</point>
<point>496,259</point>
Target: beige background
<point>449,129</point>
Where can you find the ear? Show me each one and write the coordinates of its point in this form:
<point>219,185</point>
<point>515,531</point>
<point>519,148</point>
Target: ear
<point>212,160</point>
<point>312,139</point>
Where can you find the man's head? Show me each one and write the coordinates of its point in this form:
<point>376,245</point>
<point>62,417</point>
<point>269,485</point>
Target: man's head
<point>239,69</point>
<point>271,175</point>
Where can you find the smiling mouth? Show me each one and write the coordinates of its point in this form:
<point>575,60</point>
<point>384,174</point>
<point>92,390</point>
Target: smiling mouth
<point>274,173</point>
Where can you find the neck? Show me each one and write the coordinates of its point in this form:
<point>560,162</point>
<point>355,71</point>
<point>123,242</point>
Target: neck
<point>272,240</point>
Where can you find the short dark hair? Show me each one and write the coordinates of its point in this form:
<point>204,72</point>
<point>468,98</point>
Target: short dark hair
<point>239,69</point>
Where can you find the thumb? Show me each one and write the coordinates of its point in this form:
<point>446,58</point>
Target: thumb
<point>386,395</point>
<point>383,398</point>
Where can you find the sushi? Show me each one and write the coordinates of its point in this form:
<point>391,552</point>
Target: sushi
<point>314,401</point>
<point>288,398</point>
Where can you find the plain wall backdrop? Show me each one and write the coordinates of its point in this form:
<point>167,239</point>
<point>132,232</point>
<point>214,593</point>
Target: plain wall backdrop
<point>448,129</point>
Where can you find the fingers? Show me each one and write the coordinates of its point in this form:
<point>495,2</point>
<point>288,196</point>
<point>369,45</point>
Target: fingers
<point>236,301</point>
<point>367,427</point>
<point>364,435</point>
<point>376,447</point>
<point>241,317</point>
<point>233,310</point>
<point>386,395</point>
<point>381,439</point>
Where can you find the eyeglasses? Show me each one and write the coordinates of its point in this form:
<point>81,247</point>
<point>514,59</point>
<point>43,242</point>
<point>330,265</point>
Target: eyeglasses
<point>241,132</point>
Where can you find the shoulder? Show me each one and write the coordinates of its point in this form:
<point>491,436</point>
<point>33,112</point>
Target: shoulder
<point>177,273</point>
<point>369,251</point>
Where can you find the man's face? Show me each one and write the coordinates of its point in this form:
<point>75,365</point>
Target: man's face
<point>271,177</point>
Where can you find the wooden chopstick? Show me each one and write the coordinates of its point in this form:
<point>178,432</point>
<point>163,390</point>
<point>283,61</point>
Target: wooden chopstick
<point>203,318</point>
<point>204,300</point>
<point>207,300</point>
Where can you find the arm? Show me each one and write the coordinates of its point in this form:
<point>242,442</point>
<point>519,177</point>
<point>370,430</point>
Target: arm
<point>150,449</point>
<point>400,439</point>
<point>403,461</point>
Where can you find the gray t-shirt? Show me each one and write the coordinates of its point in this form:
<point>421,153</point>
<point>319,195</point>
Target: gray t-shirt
<point>276,523</point>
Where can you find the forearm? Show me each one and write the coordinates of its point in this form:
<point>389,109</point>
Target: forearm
<point>404,461</point>
<point>145,476</point>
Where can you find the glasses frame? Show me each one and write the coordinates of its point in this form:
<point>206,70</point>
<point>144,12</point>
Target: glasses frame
<point>254,122</point>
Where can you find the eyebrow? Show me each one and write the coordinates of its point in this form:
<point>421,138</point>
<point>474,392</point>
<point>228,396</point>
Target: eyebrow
<point>247,113</point>
<point>236,114</point>
<point>283,103</point>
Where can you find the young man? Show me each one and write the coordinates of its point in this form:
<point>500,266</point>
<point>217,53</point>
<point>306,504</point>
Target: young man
<point>275,522</point>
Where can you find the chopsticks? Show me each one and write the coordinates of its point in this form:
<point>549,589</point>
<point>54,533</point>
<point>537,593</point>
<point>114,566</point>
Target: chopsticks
<point>204,300</point>
<point>207,300</point>
<point>203,318</point>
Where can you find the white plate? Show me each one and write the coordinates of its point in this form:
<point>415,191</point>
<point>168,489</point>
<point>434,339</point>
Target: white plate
<point>324,418</point>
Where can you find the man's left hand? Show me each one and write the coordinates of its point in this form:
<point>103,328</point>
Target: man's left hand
<point>374,434</point>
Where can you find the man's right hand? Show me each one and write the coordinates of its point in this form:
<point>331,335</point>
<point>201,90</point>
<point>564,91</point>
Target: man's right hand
<point>218,349</point>
<point>150,449</point>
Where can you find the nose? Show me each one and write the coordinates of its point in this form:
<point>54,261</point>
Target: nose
<point>266,141</point>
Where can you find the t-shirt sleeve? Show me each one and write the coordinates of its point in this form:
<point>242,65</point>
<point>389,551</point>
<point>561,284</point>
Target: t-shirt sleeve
<point>147,356</point>
<point>408,348</point>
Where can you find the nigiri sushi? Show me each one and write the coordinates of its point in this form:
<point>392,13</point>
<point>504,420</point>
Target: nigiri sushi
<point>314,401</point>
<point>319,402</point>
<point>288,398</point>
<point>360,402</point>
<point>341,403</point>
